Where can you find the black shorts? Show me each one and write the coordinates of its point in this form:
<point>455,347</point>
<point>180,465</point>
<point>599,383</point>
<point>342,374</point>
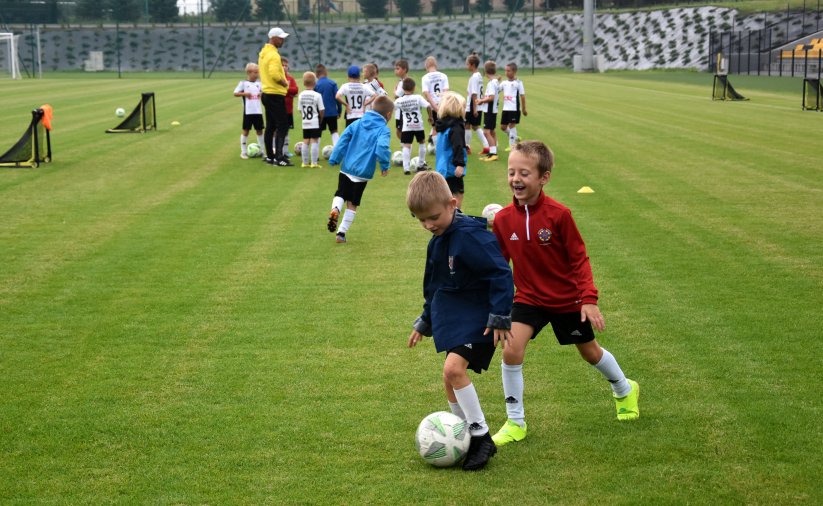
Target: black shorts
<point>398,124</point>
<point>490,120</point>
<point>411,136</point>
<point>479,355</point>
<point>252,120</point>
<point>455,185</point>
<point>350,121</point>
<point>568,329</point>
<point>473,120</point>
<point>348,190</point>
<point>312,133</point>
<point>329,122</point>
<point>291,120</point>
<point>509,117</point>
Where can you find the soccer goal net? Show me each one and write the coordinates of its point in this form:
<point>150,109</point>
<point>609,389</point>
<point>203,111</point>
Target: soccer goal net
<point>9,62</point>
<point>34,146</point>
<point>722,89</point>
<point>142,119</point>
<point>812,95</point>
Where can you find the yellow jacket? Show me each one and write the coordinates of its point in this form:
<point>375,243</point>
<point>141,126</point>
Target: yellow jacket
<point>271,71</point>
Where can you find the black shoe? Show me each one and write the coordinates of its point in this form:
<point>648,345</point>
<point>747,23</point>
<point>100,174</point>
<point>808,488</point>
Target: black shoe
<point>284,162</point>
<point>268,160</point>
<point>481,449</point>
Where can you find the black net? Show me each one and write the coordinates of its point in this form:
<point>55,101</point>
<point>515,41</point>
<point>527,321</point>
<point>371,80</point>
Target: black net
<point>149,119</point>
<point>33,147</point>
<point>812,94</point>
<point>142,118</point>
<point>722,89</point>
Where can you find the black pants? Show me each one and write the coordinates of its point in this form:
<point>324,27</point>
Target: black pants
<point>277,124</point>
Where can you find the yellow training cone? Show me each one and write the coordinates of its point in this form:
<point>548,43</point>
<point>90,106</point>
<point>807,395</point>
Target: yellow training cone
<point>585,189</point>
<point>175,123</point>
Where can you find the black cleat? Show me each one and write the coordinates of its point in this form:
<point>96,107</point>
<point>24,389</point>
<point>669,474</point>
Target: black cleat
<point>481,449</point>
<point>283,162</point>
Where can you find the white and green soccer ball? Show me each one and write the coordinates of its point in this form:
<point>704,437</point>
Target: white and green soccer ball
<point>119,112</point>
<point>327,150</point>
<point>414,164</point>
<point>397,159</point>
<point>298,148</point>
<point>253,150</point>
<point>490,211</point>
<point>442,439</point>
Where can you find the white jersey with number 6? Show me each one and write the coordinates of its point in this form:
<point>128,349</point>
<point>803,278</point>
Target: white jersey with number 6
<point>512,90</point>
<point>410,107</point>
<point>310,103</point>
<point>475,88</point>
<point>355,95</point>
<point>435,83</point>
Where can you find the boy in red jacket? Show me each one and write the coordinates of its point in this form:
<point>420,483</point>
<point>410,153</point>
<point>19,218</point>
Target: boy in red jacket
<point>554,285</point>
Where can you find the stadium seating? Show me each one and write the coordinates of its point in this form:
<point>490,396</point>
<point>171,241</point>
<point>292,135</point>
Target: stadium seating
<point>814,49</point>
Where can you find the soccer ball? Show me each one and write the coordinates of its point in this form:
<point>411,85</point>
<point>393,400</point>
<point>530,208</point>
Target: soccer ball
<point>119,112</point>
<point>327,150</point>
<point>490,211</point>
<point>442,439</point>
<point>253,150</point>
<point>415,163</point>
<point>298,148</point>
<point>397,159</point>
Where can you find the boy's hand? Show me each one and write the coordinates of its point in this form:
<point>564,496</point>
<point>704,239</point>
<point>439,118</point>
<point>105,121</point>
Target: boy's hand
<point>415,338</point>
<point>501,336</point>
<point>458,171</point>
<point>592,313</point>
<point>525,113</point>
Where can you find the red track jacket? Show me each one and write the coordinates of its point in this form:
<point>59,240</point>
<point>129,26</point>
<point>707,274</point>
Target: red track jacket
<point>551,267</point>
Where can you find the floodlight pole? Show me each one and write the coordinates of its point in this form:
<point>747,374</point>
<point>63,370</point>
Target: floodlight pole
<point>202,39</point>
<point>533,38</point>
<point>588,35</point>
<point>117,44</point>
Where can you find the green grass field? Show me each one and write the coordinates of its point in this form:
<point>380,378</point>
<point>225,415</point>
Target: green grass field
<point>178,327</point>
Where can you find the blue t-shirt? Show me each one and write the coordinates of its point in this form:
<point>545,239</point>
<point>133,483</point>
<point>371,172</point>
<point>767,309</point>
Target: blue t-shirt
<point>328,90</point>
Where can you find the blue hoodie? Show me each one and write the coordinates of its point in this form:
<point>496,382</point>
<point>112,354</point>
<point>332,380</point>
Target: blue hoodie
<point>363,143</point>
<point>467,286</point>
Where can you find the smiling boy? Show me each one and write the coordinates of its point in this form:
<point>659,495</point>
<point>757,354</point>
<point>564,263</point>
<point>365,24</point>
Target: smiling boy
<point>554,285</point>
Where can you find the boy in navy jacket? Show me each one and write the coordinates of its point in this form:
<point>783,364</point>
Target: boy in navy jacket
<point>468,291</point>
<point>362,144</point>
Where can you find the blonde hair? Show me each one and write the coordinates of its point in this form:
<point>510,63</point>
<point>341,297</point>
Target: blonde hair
<point>309,79</point>
<point>427,189</point>
<point>430,62</point>
<point>383,105</point>
<point>369,70</point>
<point>539,152</point>
<point>251,66</point>
<point>452,105</point>
<point>490,68</point>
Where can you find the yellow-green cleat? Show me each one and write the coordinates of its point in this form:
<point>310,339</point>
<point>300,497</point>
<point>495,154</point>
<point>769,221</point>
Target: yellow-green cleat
<point>510,432</point>
<point>627,407</point>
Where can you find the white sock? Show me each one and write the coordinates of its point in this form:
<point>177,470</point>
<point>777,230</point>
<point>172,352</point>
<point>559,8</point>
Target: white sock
<point>470,403</point>
<point>406,158</point>
<point>479,132</point>
<point>455,409</point>
<point>334,138</point>
<point>243,140</point>
<point>468,136</point>
<point>493,150</point>
<point>304,154</point>
<point>421,152</point>
<point>345,223</point>
<point>611,370</point>
<point>261,142</point>
<point>512,136</point>
<point>513,390</point>
<point>315,153</point>
<point>337,203</point>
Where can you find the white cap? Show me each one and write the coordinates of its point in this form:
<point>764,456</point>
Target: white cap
<point>278,32</point>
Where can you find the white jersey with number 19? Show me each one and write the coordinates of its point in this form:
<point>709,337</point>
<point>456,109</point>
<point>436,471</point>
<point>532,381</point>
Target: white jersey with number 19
<point>355,95</point>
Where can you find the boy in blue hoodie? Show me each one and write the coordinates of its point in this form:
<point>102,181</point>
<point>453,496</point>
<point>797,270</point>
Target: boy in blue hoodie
<point>468,291</point>
<point>362,144</point>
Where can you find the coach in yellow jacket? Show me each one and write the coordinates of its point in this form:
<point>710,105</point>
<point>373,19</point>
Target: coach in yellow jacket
<point>275,85</point>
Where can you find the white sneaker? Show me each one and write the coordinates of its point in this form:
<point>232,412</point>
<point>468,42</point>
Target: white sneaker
<point>244,156</point>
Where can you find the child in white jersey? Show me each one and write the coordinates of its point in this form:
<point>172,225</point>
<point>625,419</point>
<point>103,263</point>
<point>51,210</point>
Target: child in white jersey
<point>410,106</point>
<point>514,102</point>
<point>354,95</point>
<point>311,108</point>
<point>433,84</point>
<point>401,70</point>
<point>250,90</point>
<point>488,105</point>
<point>474,117</point>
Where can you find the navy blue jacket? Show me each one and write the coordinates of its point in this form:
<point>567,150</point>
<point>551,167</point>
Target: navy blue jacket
<point>467,286</point>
